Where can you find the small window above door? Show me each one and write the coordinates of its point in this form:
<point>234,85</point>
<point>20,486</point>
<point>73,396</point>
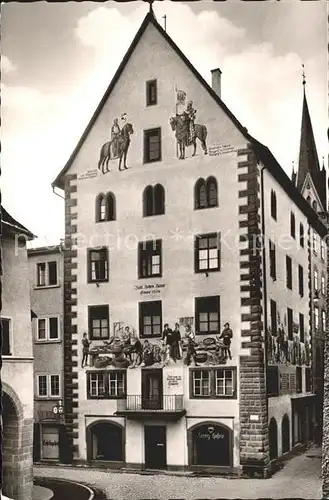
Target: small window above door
<point>151,93</point>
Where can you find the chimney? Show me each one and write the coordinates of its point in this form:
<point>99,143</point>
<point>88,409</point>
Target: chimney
<point>215,81</point>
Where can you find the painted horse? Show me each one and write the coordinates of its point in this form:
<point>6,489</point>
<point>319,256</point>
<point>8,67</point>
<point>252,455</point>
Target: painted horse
<point>122,146</point>
<point>180,125</point>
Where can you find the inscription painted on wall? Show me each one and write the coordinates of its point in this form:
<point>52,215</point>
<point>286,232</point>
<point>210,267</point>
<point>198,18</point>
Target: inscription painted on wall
<point>117,147</point>
<point>151,289</point>
<point>174,380</point>
<point>90,174</point>
<point>221,149</point>
<point>186,130</point>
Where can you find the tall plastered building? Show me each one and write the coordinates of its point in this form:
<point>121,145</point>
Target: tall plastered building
<point>175,214</point>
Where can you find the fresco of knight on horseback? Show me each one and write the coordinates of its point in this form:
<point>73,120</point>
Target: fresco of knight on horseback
<point>186,131</point>
<point>116,148</point>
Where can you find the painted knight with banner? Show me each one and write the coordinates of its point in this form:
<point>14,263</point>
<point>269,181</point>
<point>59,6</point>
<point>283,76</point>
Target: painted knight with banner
<point>190,113</point>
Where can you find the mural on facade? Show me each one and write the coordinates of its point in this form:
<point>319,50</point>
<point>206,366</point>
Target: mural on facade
<point>281,350</point>
<point>185,128</point>
<point>125,349</point>
<point>117,147</point>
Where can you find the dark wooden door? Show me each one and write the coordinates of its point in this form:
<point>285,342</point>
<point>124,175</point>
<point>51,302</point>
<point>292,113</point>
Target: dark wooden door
<point>155,447</point>
<point>152,395</point>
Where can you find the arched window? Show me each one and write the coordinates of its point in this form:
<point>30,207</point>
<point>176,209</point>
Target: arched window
<point>159,199</point>
<point>273,439</point>
<point>110,206</point>
<point>212,196</point>
<point>285,434</point>
<point>301,235</point>
<point>105,442</point>
<point>200,194</point>
<point>148,201</point>
<point>292,225</point>
<point>273,205</point>
<point>315,206</point>
<point>100,208</point>
<point>210,444</point>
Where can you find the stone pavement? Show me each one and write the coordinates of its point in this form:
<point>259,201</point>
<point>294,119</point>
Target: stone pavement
<point>299,478</point>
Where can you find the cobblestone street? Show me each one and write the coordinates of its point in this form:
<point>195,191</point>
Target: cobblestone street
<point>299,478</point>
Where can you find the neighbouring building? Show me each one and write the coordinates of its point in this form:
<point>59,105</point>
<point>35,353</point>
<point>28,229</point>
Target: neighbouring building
<point>174,213</point>
<point>46,285</point>
<point>311,181</point>
<point>17,361</point>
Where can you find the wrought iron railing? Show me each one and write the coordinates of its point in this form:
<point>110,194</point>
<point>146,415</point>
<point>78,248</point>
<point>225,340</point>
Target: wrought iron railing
<point>173,403</point>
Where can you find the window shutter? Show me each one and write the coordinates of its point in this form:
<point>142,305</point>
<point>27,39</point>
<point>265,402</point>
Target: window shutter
<point>5,330</point>
<point>196,253</point>
<point>52,270</point>
<point>219,248</point>
<point>53,328</point>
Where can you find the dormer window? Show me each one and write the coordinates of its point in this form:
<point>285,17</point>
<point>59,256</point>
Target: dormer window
<point>151,93</point>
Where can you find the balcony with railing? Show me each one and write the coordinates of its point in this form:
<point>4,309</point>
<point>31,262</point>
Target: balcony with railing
<point>140,408</point>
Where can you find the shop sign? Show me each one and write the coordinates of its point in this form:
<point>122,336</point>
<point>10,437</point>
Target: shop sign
<point>50,443</point>
<point>210,435</point>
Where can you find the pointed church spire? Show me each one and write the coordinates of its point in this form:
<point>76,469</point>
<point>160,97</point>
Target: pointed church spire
<point>308,156</point>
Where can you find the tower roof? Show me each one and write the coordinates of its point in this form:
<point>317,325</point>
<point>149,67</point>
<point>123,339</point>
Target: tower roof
<point>308,156</point>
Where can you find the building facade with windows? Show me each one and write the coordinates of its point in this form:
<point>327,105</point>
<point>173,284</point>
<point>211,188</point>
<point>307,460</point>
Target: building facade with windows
<point>176,216</point>
<point>311,181</point>
<point>17,362</point>
<point>46,288</point>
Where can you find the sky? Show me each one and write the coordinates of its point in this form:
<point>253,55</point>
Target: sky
<point>57,60</point>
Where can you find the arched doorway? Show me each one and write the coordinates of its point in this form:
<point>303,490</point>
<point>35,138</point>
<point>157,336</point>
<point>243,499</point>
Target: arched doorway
<point>273,439</point>
<point>105,442</point>
<point>211,445</point>
<point>10,445</point>
<point>285,434</point>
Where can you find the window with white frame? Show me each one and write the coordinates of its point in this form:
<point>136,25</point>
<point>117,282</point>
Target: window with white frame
<point>316,318</point>
<point>323,320</point>
<point>315,243</point>
<point>213,383</point>
<point>47,273</point>
<point>323,250</point>
<point>48,329</point>
<point>323,285</point>
<point>106,384</point>
<point>48,386</point>
<point>316,280</point>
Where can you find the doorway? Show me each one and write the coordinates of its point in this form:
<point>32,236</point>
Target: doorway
<point>212,445</point>
<point>105,442</point>
<point>152,395</point>
<point>273,439</point>
<point>50,443</point>
<point>155,447</point>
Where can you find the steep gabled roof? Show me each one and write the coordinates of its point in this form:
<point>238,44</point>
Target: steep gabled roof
<point>263,153</point>
<point>308,157</point>
<point>13,225</point>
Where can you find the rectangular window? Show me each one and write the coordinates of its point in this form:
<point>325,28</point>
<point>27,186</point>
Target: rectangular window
<point>316,318</point>
<point>48,386</point>
<point>273,317</point>
<point>308,379</point>
<point>272,260</point>
<point>316,280</point>
<point>292,225</point>
<point>301,280</point>
<point>301,327</point>
<point>149,259</point>
<point>323,251</point>
<point>152,145</point>
<point>47,273</point>
<point>48,329</point>
<point>99,322</point>
<point>207,252</point>
<point>98,265</point>
<point>106,384</point>
<point>323,285</point>
<point>207,315</point>
<point>150,318</point>
<point>290,323</point>
<point>272,378</point>
<point>213,383</point>
<point>299,379</point>
<point>6,340</point>
<point>289,272</point>
<point>151,93</point>
<point>315,243</point>
<point>323,318</point>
